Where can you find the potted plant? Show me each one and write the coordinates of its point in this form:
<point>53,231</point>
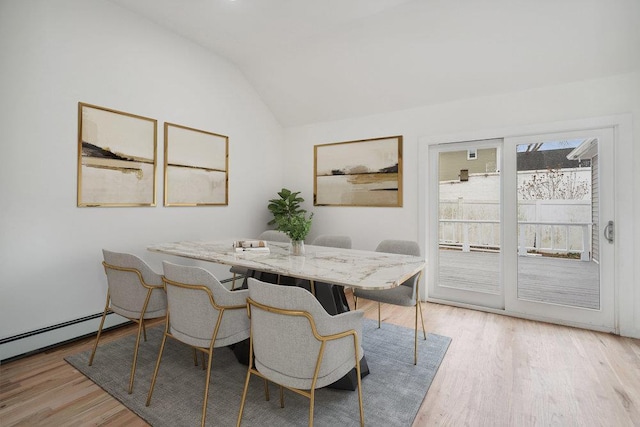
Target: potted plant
<point>286,206</point>
<point>290,218</point>
<point>296,227</point>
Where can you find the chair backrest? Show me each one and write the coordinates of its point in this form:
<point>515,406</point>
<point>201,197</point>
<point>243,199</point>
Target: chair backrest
<point>403,247</point>
<point>274,236</point>
<point>129,279</point>
<point>196,300</point>
<point>284,346</point>
<point>333,241</point>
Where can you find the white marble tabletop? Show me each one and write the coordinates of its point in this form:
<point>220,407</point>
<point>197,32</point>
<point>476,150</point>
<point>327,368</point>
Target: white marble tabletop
<point>345,267</point>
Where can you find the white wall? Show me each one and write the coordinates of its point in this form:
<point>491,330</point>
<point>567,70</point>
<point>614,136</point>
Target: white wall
<point>55,54</point>
<point>618,94</point>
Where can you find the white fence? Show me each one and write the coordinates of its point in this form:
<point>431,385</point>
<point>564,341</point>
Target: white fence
<point>545,226</point>
<point>554,237</point>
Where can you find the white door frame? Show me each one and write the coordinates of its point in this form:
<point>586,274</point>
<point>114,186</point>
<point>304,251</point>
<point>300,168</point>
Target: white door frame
<point>627,307</point>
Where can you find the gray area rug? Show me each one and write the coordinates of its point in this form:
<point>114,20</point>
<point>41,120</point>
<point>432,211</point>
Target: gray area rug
<point>392,392</point>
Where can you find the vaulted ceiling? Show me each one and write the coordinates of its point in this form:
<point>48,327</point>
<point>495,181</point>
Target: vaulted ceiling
<point>318,60</point>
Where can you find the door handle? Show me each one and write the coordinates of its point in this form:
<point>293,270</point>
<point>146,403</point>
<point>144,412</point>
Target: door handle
<point>609,232</point>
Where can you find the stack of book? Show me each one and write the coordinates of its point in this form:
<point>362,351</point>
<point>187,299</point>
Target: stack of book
<point>250,245</point>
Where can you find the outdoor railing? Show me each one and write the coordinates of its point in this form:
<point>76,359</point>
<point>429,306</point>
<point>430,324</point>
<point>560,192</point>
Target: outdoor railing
<point>486,240</point>
<point>459,231</point>
<point>553,227</point>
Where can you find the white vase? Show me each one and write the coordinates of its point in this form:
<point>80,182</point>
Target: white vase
<point>296,247</point>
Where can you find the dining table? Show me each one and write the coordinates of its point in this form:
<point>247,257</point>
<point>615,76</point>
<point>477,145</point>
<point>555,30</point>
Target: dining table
<point>344,267</point>
<point>324,271</point>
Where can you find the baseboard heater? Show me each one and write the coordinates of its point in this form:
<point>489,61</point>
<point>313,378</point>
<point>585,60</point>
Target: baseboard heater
<point>28,343</point>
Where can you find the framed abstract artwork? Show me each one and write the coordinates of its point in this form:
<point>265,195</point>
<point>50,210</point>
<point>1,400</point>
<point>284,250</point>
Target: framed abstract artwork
<point>196,171</point>
<point>116,158</point>
<point>366,172</point>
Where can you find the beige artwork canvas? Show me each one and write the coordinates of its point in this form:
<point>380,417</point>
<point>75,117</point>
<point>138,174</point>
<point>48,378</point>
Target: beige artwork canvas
<point>359,173</point>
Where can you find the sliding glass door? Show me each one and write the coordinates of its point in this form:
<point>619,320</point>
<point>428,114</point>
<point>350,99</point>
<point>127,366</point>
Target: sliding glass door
<point>523,225</point>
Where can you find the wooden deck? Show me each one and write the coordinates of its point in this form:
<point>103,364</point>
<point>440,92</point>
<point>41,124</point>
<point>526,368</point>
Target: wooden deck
<point>552,280</point>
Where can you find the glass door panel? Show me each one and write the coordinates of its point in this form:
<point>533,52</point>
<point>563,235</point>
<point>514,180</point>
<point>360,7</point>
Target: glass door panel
<point>556,195</point>
<point>467,259</point>
<point>562,188</point>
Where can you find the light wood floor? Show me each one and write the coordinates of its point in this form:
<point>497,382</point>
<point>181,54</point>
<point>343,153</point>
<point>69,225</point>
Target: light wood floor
<point>498,371</point>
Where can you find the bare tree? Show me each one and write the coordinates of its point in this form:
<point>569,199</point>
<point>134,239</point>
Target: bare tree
<point>553,184</point>
<point>536,146</point>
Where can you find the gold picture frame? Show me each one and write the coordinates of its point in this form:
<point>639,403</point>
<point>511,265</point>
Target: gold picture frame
<point>117,158</point>
<point>366,172</point>
<point>196,167</point>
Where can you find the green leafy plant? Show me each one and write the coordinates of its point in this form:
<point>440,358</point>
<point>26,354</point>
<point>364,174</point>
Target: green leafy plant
<point>288,216</point>
<point>286,206</point>
<point>297,226</point>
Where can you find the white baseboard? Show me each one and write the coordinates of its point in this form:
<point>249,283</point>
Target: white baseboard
<point>28,343</point>
<point>32,342</point>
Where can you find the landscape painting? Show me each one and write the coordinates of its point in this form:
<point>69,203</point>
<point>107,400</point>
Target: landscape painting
<point>116,158</point>
<point>359,173</point>
<point>195,167</point>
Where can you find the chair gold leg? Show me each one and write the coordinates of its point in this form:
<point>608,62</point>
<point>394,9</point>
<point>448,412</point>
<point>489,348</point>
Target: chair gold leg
<point>144,329</point>
<point>135,355</point>
<point>424,331</point>
<point>415,344</point>
<point>141,329</point>
<point>379,322</point>
<point>312,396</point>
<point>358,379</point>
<point>266,390</point>
<point>244,394</point>
<point>355,302</point>
<point>233,283</point>
<point>281,397</point>
<point>206,387</point>
<point>104,315</point>
<point>155,371</point>
<point>195,357</point>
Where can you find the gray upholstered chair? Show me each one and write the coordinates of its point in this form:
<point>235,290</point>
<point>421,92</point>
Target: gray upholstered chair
<point>334,241</point>
<point>134,291</point>
<point>407,294</point>
<point>201,313</point>
<point>296,344</point>
<point>269,236</point>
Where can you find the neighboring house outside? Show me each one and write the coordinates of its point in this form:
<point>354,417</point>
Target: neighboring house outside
<point>588,150</point>
<point>451,163</point>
